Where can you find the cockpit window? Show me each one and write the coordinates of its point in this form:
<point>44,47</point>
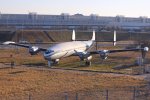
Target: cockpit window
<point>48,51</point>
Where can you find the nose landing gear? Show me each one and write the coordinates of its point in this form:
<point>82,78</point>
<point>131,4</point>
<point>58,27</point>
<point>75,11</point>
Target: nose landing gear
<point>53,62</point>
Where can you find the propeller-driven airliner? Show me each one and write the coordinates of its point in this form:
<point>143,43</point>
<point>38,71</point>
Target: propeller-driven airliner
<point>58,51</point>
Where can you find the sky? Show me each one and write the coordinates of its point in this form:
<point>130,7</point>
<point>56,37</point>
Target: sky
<point>127,8</point>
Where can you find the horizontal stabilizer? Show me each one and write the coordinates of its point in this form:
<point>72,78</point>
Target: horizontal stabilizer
<point>114,39</point>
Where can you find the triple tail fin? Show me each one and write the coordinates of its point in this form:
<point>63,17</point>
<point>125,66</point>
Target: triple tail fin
<point>73,35</point>
<point>114,40</point>
<point>93,37</point>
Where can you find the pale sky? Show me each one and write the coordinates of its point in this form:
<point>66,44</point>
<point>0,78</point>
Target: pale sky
<point>128,8</point>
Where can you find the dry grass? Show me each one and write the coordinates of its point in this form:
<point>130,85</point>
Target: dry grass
<point>22,57</point>
<point>21,81</point>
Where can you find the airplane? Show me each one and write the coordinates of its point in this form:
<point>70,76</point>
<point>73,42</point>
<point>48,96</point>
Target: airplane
<point>80,48</point>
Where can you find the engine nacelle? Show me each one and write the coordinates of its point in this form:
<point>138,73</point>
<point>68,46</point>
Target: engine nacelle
<point>146,49</point>
<point>88,58</point>
<point>84,56</point>
<point>104,54</point>
<point>33,50</point>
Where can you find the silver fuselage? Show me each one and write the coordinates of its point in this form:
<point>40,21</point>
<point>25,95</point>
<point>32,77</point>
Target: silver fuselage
<point>66,49</point>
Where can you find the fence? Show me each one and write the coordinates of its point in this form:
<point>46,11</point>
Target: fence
<point>132,93</point>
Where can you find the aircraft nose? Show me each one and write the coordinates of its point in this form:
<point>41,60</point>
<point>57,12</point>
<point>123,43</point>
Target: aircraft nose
<point>47,57</point>
<point>48,54</point>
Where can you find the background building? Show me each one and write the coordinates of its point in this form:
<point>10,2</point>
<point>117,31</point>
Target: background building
<point>77,21</point>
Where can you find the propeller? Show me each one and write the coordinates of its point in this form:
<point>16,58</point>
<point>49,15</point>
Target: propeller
<point>33,50</point>
<point>103,54</point>
<point>144,51</point>
<point>84,56</point>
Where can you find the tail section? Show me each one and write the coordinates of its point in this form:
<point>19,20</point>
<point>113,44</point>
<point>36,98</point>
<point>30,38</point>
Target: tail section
<point>74,38</point>
<point>114,40</point>
<point>93,37</point>
<point>73,35</point>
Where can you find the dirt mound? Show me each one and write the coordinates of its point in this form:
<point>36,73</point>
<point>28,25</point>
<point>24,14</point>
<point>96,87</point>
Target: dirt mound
<point>30,36</point>
<point>65,35</point>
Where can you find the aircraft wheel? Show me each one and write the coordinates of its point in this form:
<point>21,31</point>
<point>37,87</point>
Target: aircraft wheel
<point>52,63</point>
<point>49,64</point>
<point>88,63</point>
<point>56,62</point>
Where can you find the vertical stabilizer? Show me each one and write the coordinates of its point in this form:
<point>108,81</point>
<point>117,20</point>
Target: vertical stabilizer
<point>73,35</point>
<point>114,40</point>
<point>93,37</point>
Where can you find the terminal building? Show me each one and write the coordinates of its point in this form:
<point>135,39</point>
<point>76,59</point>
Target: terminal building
<point>76,21</point>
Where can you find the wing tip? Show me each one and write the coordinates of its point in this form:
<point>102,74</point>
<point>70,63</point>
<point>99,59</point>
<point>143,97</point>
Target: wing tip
<point>8,42</point>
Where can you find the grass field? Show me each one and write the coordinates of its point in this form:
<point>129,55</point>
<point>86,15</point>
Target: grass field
<point>19,82</point>
<point>22,57</point>
<point>31,75</point>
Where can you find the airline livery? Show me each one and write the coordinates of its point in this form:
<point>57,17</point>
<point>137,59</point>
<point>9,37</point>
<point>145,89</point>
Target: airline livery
<point>74,48</point>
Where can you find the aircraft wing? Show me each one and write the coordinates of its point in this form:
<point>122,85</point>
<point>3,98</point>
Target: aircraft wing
<point>104,53</point>
<point>13,43</point>
<point>32,49</point>
<point>121,50</point>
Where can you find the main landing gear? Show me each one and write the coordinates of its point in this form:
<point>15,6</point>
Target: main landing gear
<point>53,62</point>
<point>88,63</point>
